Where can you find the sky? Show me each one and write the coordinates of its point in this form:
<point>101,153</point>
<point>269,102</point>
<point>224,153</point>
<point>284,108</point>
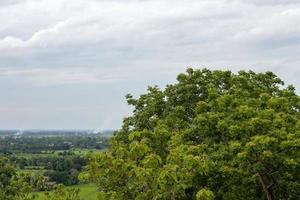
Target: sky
<point>67,64</point>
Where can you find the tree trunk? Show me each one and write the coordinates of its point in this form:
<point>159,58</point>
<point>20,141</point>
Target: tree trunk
<point>267,189</point>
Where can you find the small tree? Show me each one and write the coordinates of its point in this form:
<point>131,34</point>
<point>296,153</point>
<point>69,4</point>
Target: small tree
<point>13,185</point>
<point>60,192</point>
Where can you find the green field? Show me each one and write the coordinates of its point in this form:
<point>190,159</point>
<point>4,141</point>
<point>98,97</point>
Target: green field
<point>87,192</point>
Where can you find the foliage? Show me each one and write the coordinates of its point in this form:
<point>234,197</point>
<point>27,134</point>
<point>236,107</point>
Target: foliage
<point>13,186</point>
<point>63,193</point>
<point>212,134</point>
<point>205,194</point>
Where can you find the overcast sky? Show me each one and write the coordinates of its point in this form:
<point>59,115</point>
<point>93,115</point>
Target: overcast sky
<point>69,63</point>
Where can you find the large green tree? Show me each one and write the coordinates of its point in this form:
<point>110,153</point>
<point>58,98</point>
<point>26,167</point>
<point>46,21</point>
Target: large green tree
<point>211,135</point>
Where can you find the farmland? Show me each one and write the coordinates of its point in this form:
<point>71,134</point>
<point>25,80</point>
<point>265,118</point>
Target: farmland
<point>51,159</point>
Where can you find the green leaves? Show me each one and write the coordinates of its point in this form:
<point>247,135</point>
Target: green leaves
<point>13,185</point>
<point>138,150</point>
<point>62,193</point>
<point>205,194</point>
<point>208,136</point>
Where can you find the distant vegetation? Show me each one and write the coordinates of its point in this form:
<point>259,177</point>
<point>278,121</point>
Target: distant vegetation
<point>53,133</point>
<point>10,145</point>
<point>40,162</point>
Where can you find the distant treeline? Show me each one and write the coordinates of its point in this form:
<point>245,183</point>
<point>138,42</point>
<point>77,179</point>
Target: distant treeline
<point>51,133</point>
<point>10,145</point>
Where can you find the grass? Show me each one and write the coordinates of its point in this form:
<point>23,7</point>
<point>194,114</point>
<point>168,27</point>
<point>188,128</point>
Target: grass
<point>32,155</point>
<point>87,192</point>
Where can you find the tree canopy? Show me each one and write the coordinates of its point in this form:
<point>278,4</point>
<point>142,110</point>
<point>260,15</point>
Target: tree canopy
<point>211,135</point>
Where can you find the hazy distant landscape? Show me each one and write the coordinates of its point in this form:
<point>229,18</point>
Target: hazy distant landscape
<point>53,133</point>
<point>149,100</point>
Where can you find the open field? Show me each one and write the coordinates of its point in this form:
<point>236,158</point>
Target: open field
<point>87,192</point>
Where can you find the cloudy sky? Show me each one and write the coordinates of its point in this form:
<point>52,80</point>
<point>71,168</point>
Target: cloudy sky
<point>69,63</point>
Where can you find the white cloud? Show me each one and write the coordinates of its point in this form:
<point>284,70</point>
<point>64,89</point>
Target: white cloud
<point>146,28</point>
